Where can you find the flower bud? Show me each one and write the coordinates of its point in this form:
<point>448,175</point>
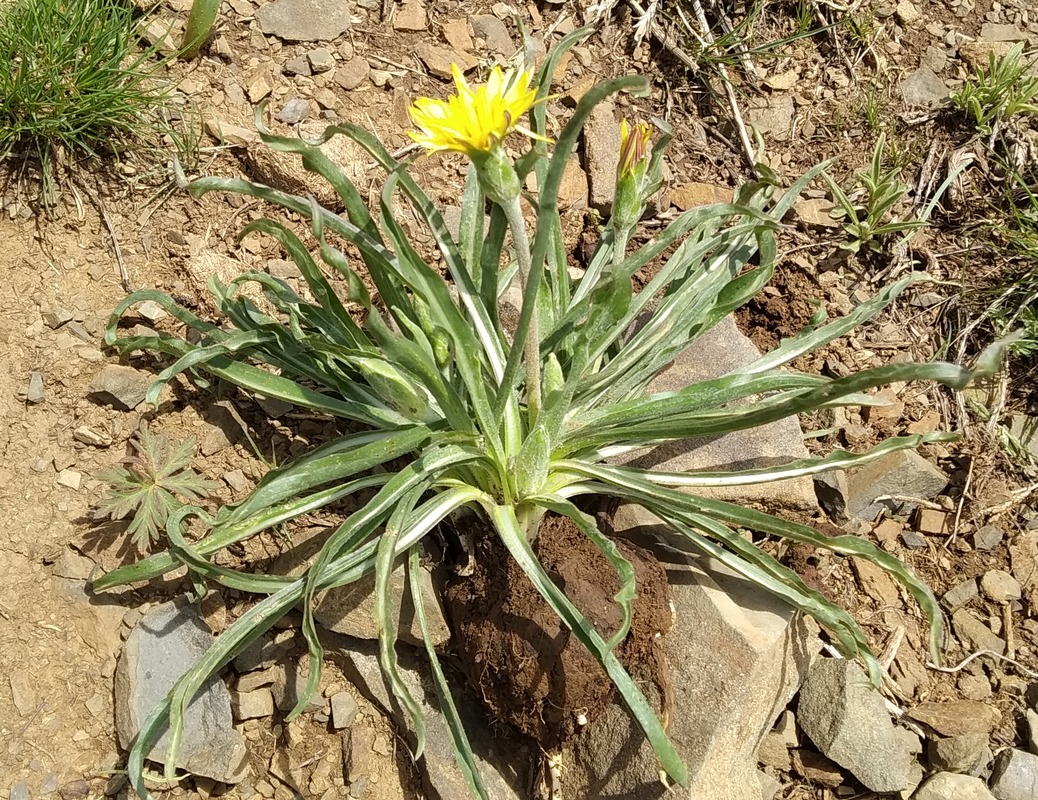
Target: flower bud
<point>631,185</point>
<point>496,175</point>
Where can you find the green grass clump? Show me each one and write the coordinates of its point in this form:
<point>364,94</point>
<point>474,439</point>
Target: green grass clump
<point>1002,91</point>
<point>73,79</point>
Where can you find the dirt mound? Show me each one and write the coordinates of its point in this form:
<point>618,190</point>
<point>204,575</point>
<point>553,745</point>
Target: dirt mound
<point>528,667</point>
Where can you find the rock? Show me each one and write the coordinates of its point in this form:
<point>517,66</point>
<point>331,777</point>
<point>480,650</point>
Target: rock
<point>601,155</point>
<point>151,311</point>
<point>300,65</point>
<point>285,171</point>
<point>295,110</point>
<point>814,211</point>
<point>224,428</point>
<point>20,791</point>
<point>350,609</point>
<point>411,17</point>
<point>975,633</point>
<point>344,710</point>
<point>876,583</point>
<point>775,116</point>
<point>720,350</point>
<point>252,705</point>
<point>958,753</point>
<point>261,86</point>
<point>304,20</point>
<point>694,194</point>
<point>22,692</point>
<point>35,393</point>
<point>773,752</point>
<point>70,479</point>
<point>1015,775</point>
<point>290,685</point>
<point>949,786</point>
<point>736,655</point>
<point>1000,586</point>
<point>232,135</point>
<point>167,642</point>
<point>74,790</point>
<point>904,473</point>
<point>56,317</point>
<point>260,655</point>
<point>783,81</point>
<point>995,32</point>
<point>122,387</point>
<point>456,32</point>
<point>321,60</point>
<point>933,521</point>
<point>353,73</point>
<point>907,12</point>
<point>956,717</point>
<point>494,34</point>
<point>831,493</point>
<point>573,188</point>
<point>816,768</point>
<point>505,764</point>
<point>848,721</point>
<point>988,538</point>
<point>913,540</point>
<point>769,786</point>
<point>924,88</point>
<point>960,594</point>
<point>977,55</point>
<point>438,59</point>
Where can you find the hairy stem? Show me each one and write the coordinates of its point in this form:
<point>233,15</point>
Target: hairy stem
<point>532,344</point>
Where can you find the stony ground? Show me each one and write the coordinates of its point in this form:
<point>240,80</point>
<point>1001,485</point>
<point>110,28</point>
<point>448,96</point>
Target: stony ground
<point>972,533</point>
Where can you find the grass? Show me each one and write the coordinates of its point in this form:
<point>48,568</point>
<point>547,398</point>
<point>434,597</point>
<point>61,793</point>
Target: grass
<point>1003,90</point>
<point>73,80</point>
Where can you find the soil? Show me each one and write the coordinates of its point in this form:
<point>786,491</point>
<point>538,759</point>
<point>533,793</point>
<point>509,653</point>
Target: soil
<point>528,667</point>
<point>58,642</point>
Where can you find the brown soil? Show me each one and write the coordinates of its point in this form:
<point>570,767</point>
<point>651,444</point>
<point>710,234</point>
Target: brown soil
<point>529,668</point>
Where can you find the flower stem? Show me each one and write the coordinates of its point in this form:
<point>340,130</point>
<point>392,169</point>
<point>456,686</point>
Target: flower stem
<point>532,344</point>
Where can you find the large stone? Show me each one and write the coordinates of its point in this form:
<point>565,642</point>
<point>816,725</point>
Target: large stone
<point>504,763</point>
<point>601,155</point>
<point>959,753</point>
<point>773,115</point>
<point>848,721</point>
<point>901,474</point>
<point>350,609</point>
<point>304,20</point>
<point>122,387</point>
<point>736,657</point>
<point>719,351</point>
<point>949,786</point>
<point>169,640</point>
<point>1015,775</point>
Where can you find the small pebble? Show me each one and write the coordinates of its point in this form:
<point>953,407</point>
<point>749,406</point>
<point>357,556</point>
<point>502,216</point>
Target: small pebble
<point>988,538</point>
<point>344,710</point>
<point>321,60</point>
<point>913,539</point>
<point>295,110</point>
<point>70,478</point>
<point>56,317</point>
<point>35,394</point>
<point>20,791</point>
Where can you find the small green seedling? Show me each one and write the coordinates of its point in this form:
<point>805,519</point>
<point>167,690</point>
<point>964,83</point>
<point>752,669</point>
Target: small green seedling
<point>153,482</point>
<point>865,211</point>
<point>1002,91</point>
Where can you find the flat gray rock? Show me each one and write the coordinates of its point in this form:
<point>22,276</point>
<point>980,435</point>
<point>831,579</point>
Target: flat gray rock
<point>849,723</point>
<point>505,765</point>
<point>719,351</point>
<point>304,20</point>
<point>736,656</point>
<point>122,387</point>
<point>924,87</point>
<point>1015,775</point>
<point>901,474</point>
<point>168,641</point>
<point>602,154</point>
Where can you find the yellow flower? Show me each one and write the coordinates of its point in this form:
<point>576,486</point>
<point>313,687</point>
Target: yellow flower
<point>633,148</point>
<point>475,120</point>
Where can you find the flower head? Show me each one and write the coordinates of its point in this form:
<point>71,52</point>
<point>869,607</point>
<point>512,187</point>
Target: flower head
<point>634,143</point>
<point>475,120</point>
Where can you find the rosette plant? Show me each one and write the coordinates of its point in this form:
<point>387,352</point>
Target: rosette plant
<point>444,413</point>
